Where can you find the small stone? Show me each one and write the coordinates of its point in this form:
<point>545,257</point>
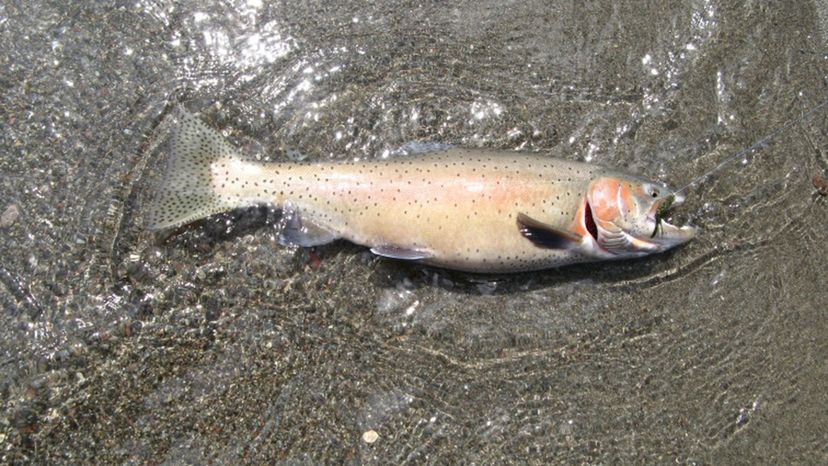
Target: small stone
<point>370,436</point>
<point>9,216</point>
<point>819,183</point>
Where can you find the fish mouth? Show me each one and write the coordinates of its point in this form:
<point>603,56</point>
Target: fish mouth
<point>665,234</point>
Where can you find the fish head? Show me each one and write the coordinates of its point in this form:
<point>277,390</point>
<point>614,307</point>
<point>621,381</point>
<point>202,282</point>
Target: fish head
<point>627,215</point>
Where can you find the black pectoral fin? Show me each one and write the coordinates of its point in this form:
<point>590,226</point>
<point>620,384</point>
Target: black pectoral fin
<point>545,236</point>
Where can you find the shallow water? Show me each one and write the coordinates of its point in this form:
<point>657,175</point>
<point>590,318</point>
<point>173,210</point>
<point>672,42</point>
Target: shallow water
<point>217,344</point>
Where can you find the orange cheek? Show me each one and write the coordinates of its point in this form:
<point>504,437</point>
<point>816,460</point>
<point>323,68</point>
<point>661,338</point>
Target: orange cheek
<point>624,198</point>
<point>604,198</point>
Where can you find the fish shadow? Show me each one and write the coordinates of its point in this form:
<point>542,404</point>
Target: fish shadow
<point>204,235</point>
<point>630,272</point>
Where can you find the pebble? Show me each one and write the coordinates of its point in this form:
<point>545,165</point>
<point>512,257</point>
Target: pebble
<point>819,183</point>
<point>370,436</point>
<point>9,216</point>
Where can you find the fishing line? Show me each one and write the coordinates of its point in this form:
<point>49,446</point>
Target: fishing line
<point>756,146</point>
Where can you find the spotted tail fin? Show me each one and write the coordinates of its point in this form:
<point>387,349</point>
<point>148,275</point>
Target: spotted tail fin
<point>187,190</point>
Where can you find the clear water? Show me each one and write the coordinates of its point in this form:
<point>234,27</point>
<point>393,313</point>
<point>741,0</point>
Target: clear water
<point>216,344</point>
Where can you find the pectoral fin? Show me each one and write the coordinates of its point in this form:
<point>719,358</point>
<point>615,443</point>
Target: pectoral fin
<point>396,252</point>
<point>546,236</point>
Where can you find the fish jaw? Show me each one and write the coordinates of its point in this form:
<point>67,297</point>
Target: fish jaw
<point>670,236</point>
<point>666,235</point>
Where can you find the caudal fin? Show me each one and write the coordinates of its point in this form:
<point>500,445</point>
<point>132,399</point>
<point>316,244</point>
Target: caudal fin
<point>186,191</point>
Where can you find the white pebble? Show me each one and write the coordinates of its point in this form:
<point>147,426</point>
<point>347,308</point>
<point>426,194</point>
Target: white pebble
<point>370,436</point>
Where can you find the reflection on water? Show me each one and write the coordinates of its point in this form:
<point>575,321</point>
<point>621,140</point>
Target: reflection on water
<point>216,342</point>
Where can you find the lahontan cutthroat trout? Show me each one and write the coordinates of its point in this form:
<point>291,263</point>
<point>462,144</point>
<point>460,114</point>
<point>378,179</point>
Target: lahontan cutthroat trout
<point>464,209</point>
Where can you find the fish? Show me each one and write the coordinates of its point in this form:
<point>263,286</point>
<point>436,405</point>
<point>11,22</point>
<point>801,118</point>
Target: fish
<point>474,210</point>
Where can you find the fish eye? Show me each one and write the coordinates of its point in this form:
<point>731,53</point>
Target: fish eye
<point>651,190</point>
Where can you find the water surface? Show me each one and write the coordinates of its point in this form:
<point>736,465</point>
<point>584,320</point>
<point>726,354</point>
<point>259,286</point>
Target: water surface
<point>217,344</point>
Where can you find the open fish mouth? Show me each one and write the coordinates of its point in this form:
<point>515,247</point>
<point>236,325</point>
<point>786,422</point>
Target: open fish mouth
<point>665,234</point>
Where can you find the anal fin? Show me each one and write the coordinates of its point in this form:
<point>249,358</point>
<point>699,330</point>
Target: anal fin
<point>546,236</point>
<point>298,232</point>
<point>396,252</point>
